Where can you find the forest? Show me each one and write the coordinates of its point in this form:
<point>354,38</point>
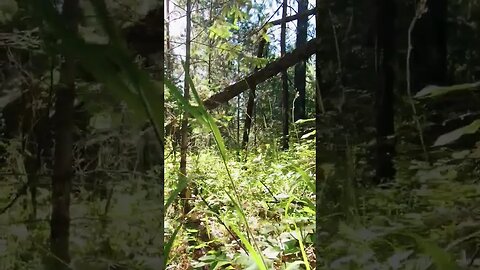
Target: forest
<point>239,134</point>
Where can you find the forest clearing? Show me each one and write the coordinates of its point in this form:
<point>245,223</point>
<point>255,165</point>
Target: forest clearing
<point>246,134</point>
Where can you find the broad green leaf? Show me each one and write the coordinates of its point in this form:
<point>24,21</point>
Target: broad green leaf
<point>271,252</point>
<point>433,90</point>
<point>301,121</point>
<point>221,29</point>
<point>309,134</point>
<point>221,264</point>
<point>456,134</point>
<point>101,121</point>
<point>294,266</point>
<point>440,258</point>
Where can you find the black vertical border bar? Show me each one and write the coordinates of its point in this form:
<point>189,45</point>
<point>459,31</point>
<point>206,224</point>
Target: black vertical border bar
<point>162,154</point>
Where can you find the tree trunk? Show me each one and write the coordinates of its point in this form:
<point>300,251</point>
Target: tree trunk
<point>285,98</point>
<point>63,168</point>
<point>185,194</point>
<point>300,68</point>
<point>210,46</point>
<point>429,62</point>
<point>429,53</point>
<point>251,100</point>
<point>168,53</point>
<point>248,116</point>
<point>384,98</point>
<point>293,17</point>
<point>238,120</point>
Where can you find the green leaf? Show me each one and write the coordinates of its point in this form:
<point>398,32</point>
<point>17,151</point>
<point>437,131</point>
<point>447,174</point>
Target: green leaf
<point>221,29</point>
<point>309,134</point>
<point>456,134</point>
<point>182,184</point>
<point>302,247</point>
<point>294,266</point>
<point>301,121</point>
<point>101,121</point>
<point>440,258</point>
<point>221,264</point>
<point>169,245</point>
<point>433,90</point>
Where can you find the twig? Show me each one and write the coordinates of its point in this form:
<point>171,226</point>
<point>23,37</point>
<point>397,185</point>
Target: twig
<point>421,9</point>
<point>217,215</point>
<point>20,192</point>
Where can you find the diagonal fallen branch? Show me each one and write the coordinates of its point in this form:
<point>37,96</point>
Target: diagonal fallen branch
<point>294,17</point>
<point>272,69</point>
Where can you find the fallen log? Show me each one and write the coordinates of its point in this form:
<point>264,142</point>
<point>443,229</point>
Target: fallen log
<point>260,76</point>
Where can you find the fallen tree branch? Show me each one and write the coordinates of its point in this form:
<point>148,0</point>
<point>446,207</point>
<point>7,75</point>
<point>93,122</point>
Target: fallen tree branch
<point>20,192</point>
<point>293,17</point>
<point>272,69</point>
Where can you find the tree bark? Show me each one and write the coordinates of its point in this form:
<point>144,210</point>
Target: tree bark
<point>297,16</point>
<point>272,69</point>
<point>285,94</point>
<point>428,64</point>
<point>168,53</point>
<point>384,98</point>
<point>300,68</point>
<point>146,36</point>
<point>63,168</point>
<point>429,53</point>
<point>251,100</point>
<point>248,116</point>
<point>185,194</point>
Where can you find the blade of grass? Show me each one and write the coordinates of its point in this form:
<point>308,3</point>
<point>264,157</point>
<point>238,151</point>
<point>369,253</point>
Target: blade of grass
<point>169,245</point>
<point>257,257</point>
<point>181,185</point>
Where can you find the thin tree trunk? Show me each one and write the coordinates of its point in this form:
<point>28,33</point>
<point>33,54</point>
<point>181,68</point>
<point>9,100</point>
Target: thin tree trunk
<point>300,68</point>
<point>429,64</point>
<point>29,141</point>
<point>238,112</point>
<point>251,100</point>
<point>63,168</point>
<point>248,116</point>
<point>238,120</point>
<point>285,98</point>
<point>210,47</point>
<point>186,193</point>
<point>429,52</point>
<point>384,99</point>
<point>168,53</point>
<point>295,17</point>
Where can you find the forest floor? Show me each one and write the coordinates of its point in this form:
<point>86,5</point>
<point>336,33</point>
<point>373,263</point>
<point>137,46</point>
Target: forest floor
<point>275,190</point>
<point>428,217</point>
